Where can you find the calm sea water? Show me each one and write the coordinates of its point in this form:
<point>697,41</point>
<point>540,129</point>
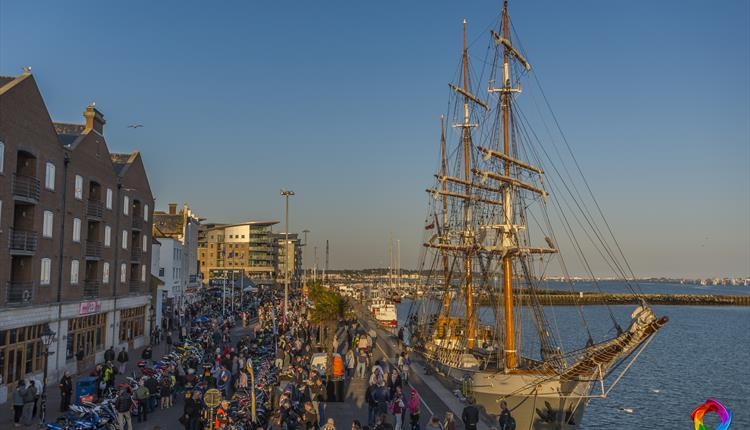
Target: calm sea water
<point>704,351</point>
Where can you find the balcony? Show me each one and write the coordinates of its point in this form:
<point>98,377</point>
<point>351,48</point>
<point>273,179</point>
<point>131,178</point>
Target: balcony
<point>20,293</point>
<point>135,254</point>
<point>91,289</point>
<point>136,287</point>
<point>137,223</point>
<point>94,210</point>
<point>22,242</point>
<point>93,250</point>
<point>26,189</point>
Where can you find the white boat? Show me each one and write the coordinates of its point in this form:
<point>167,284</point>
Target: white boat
<point>384,312</point>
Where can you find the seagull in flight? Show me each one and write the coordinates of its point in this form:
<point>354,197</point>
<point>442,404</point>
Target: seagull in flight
<point>135,125</point>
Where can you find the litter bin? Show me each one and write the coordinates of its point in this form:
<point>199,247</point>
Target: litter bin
<point>85,389</point>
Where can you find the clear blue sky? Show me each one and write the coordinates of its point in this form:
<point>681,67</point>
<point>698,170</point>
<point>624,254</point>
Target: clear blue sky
<point>339,101</point>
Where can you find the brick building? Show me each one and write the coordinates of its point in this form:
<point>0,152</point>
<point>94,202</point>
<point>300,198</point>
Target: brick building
<point>75,245</point>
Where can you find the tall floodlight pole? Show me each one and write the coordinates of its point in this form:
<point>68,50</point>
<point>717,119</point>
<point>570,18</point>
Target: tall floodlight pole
<point>286,194</point>
<point>304,245</point>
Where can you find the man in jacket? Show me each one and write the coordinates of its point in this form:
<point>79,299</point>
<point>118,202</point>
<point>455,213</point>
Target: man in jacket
<point>143,395</point>
<point>470,415</point>
<point>109,354</point>
<point>29,397</point>
<point>66,390</point>
<point>123,405</point>
<point>122,358</point>
<point>18,402</point>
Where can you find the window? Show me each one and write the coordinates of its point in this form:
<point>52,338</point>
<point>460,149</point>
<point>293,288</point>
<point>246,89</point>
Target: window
<point>107,236</point>
<point>124,239</point>
<point>79,187</point>
<point>109,198</point>
<point>132,322</point>
<point>105,273</point>
<point>46,267</point>
<point>74,272</point>
<point>145,213</point>
<point>123,275</point>
<point>47,225</point>
<point>2,156</point>
<point>161,272</point>
<point>145,243</point>
<point>125,205</point>
<point>76,230</point>
<point>143,272</point>
<point>49,177</point>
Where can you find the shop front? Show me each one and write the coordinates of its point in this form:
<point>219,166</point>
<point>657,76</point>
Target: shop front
<point>21,354</point>
<point>87,335</point>
<point>132,324</point>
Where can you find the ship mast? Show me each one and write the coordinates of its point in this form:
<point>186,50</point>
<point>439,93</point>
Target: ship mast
<point>443,253</point>
<point>468,233</point>
<point>507,238</point>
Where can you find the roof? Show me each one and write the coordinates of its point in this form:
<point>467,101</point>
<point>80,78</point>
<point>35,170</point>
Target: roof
<point>68,133</point>
<point>169,225</point>
<point>5,79</point>
<point>121,162</point>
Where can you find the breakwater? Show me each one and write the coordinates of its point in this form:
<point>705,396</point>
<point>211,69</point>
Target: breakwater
<point>588,298</point>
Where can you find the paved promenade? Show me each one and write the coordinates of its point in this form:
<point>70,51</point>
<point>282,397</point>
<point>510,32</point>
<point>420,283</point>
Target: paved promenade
<point>436,399</point>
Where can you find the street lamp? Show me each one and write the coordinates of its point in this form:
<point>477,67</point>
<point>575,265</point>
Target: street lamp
<point>286,194</point>
<point>47,337</point>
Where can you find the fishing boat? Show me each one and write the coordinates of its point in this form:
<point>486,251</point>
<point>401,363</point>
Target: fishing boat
<point>500,193</point>
<point>384,312</point>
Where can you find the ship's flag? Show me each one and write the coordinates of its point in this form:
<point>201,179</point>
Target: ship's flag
<point>430,226</point>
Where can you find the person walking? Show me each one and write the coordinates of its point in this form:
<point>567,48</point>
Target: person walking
<point>413,407</point>
<point>109,354</point>
<point>470,415</point>
<point>397,408</point>
<point>29,398</point>
<point>122,358</point>
<point>66,390</point>
<point>505,420</point>
<point>123,405</point>
<point>143,396</point>
<point>449,423</point>
<point>361,363</point>
<point>433,424</point>
<point>18,401</point>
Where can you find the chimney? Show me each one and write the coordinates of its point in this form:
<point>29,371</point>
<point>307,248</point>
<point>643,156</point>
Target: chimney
<point>173,208</point>
<point>94,119</point>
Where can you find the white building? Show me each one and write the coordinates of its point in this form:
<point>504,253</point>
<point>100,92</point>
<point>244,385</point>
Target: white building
<point>177,234</point>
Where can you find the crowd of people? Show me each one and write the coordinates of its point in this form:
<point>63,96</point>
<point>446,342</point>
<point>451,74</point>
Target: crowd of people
<point>275,375</point>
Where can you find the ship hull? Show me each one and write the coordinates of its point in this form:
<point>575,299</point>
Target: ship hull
<point>536,402</point>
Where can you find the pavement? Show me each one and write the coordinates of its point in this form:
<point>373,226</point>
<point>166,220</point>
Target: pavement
<point>436,398</point>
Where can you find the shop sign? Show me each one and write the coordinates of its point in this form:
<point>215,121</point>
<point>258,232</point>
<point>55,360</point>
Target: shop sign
<point>87,308</point>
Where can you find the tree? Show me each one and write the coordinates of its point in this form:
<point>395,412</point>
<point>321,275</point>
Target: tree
<point>329,307</point>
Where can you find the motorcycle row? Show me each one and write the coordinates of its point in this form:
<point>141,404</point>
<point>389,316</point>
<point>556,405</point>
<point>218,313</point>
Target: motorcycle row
<point>248,407</point>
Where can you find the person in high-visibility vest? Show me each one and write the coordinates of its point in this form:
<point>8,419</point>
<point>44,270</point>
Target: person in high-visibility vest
<point>222,415</point>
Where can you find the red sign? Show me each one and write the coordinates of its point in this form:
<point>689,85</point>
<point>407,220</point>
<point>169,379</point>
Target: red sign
<point>88,308</point>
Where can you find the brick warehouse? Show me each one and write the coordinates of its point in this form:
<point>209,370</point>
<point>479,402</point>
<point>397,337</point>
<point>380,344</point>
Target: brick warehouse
<point>75,248</point>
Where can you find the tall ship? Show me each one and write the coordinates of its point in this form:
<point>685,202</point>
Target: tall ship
<point>501,195</point>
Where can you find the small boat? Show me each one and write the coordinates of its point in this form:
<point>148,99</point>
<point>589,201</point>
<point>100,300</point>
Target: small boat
<point>384,312</point>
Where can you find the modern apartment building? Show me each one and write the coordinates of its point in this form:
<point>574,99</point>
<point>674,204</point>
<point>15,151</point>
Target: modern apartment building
<point>177,233</point>
<point>249,246</point>
<point>75,223</point>
<point>291,246</point>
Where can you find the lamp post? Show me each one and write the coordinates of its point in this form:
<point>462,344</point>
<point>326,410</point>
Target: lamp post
<point>47,337</point>
<point>286,194</point>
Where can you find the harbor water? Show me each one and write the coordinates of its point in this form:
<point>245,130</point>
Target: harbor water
<point>704,351</point>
